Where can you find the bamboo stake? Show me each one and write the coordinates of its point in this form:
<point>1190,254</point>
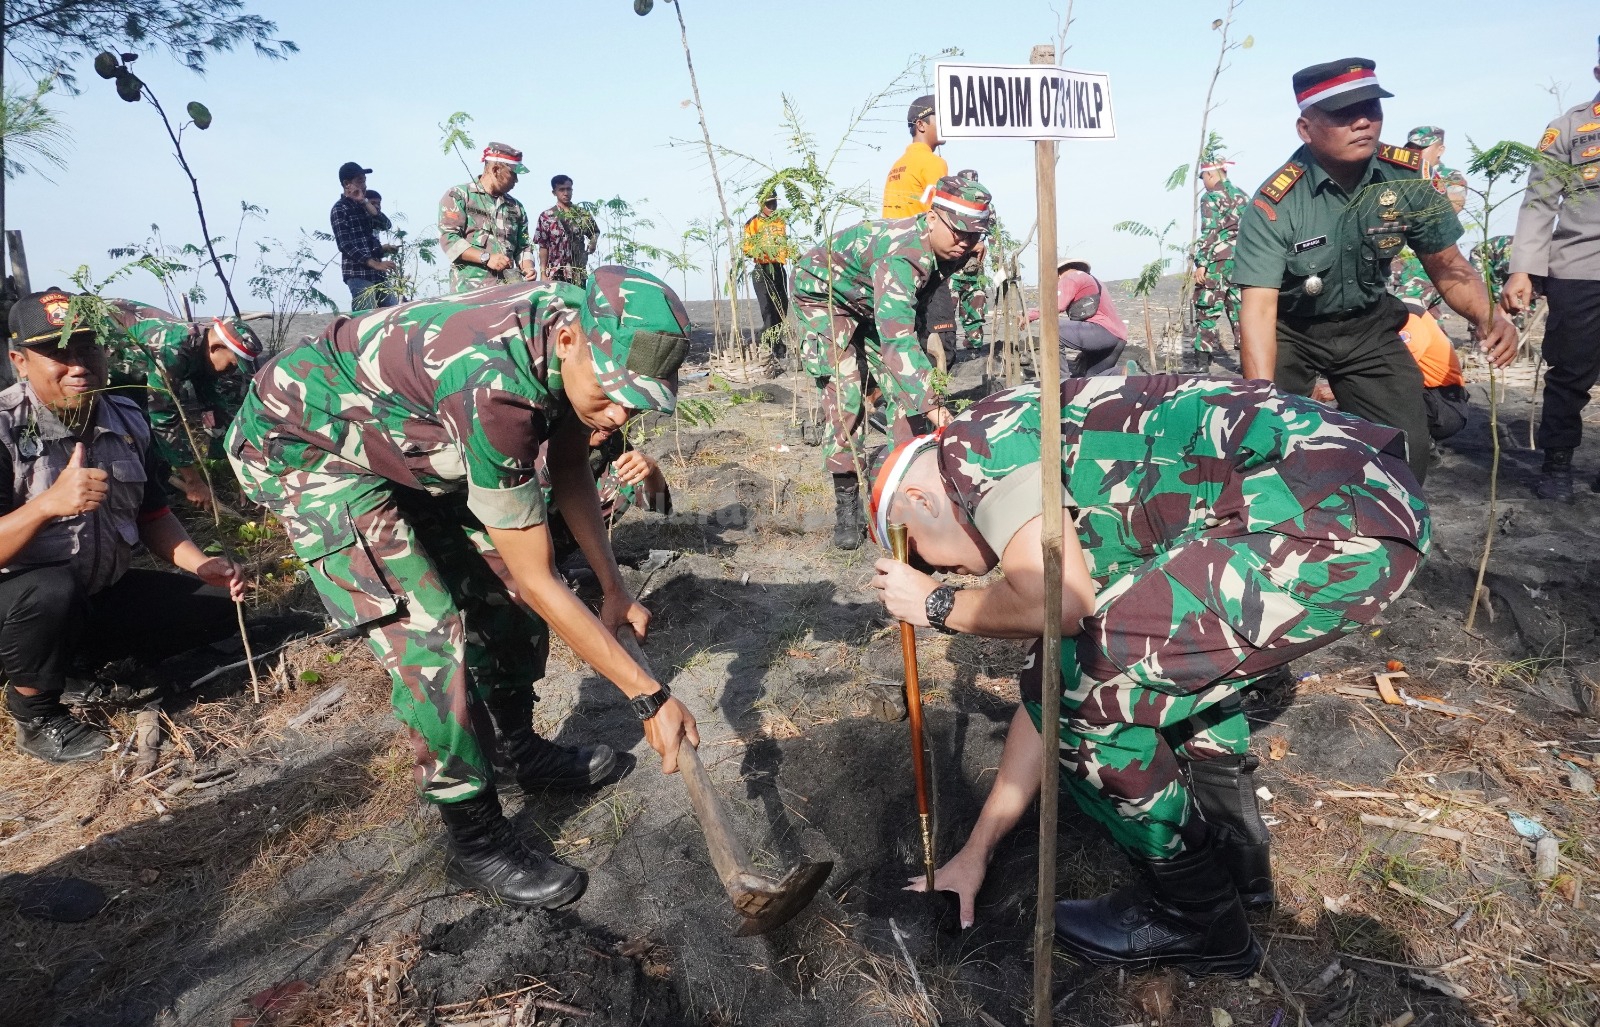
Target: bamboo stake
<point>1049,369</point>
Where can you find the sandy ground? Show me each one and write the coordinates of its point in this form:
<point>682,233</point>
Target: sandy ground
<point>310,863</point>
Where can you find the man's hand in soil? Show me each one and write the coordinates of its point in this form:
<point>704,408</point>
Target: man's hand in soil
<point>1517,296</point>
<point>497,262</point>
<point>634,467</point>
<point>223,574</point>
<point>963,875</point>
<point>195,489</point>
<point>905,591</point>
<point>1500,344</point>
<point>619,608</point>
<point>665,731</point>
<point>79,489</point>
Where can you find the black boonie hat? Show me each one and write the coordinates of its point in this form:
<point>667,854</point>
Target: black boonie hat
<point>37,319</point>
<point>921,107</point>
<point>350,169</point>
<point>1338,84</point>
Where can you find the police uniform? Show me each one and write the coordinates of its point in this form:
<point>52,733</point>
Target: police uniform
<point>1558,241</point>
<point>1327,252</point>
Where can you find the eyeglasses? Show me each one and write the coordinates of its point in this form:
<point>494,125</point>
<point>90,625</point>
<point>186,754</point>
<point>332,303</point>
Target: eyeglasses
<point>959,233</point>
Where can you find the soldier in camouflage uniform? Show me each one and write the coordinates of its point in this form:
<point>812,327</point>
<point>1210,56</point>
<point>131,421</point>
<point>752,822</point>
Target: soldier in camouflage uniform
<point>1220,529</point>
<point>970,287</point>
<point>857,298</point>
<point>164,353</point>
<point>402,450</point>
<point>483,230</point>
<point>1215,295</point>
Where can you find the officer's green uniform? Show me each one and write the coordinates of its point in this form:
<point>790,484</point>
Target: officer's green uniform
<point>1327,252</point>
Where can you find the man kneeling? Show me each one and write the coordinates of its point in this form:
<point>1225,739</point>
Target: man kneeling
<point>1217,529</point>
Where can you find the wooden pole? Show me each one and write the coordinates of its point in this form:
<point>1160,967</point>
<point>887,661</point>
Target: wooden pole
<point>1049,368</point>
<point>898,544</point>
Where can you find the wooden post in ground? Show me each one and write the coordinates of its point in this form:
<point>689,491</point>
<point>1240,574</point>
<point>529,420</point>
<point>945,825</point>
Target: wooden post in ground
<point>19,262</point>
<point>1049,368</point>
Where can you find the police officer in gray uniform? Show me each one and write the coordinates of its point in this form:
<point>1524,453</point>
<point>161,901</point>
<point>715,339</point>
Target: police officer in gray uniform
<point>1557,252</point>
<point>1313,257</point>
<point>80,484</point>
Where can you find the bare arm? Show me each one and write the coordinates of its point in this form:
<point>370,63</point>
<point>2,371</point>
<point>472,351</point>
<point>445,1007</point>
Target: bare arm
<point>1258,324</point>
<point>579,499</point>
<point>1462,287</point>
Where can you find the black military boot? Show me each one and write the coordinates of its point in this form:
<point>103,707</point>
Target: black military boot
<point>45,729</point>
<point>540,764</point>
<point>1187,915</point>
<point>486,855</point>
<point>1225,790</point>
<point>848,529</point>
<point>1195,362</point>
<point>1555,477</point>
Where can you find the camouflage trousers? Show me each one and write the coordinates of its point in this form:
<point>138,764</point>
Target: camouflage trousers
<point>843,356</point>
<point>1215,298</point>
<point>419,574</point>
<point>1156,674</point>
<point>971,303</point>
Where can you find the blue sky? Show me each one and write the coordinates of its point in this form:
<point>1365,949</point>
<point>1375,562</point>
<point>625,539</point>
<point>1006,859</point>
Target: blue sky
<point>589,89</point>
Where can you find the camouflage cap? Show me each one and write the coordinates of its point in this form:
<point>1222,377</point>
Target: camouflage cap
<point>1424,135</point>
<point>638,336</point>
<point>965,203</point>
<point>500,153</point>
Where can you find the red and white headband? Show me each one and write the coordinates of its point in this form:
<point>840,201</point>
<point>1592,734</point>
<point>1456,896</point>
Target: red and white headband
<point>1331,87</point>
<point>500,157</point>
<point>1217,165</point>
<point>889,478</point>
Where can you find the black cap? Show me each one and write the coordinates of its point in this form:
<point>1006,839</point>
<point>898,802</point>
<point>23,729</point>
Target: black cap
<point>37,319</point>
<point>1338,84</point>
<point>350,169</point>
<point>921,107</point>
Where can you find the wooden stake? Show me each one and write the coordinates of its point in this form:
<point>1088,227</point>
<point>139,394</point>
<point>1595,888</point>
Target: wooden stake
<point>1049,369</point>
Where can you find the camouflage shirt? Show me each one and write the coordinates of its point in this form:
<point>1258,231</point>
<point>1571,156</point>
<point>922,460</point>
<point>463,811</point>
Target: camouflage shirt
<point>167,353</point>
<point>438,395</point>
<point>1147,462</point>
<point>1219,223</point>
<point>469,218</point>
<point>882,272</point>
<point>35,448</point>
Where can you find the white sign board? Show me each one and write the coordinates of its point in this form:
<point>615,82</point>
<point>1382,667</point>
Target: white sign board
<point>1022,101</point>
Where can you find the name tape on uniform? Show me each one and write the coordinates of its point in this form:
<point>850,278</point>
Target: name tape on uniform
<point>1022,101</point>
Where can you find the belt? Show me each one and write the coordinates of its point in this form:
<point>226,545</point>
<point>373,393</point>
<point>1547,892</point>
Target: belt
<point>1302,323</point>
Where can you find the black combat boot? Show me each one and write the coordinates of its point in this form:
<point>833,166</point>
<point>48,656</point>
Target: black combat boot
<point>486,855</point>
<point>848,529</point>
<point>540,764</point>
<point>1555,477</point>
<point>1195,361</point>
<point>1187,915</point>
<point>1225,790</point>
<point>45,729</point>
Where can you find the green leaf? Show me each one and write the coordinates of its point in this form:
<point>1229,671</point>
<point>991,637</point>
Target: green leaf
<point>310,677</point>
<point>1180,175</point>
<point>199,115</point>
<point>1247,42</point>
<point>333,657</point>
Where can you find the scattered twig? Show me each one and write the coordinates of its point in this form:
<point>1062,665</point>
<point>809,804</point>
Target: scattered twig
<point>916,978</point>
<point>318,707</point>
<point>1449,834</point>
<point>20,835</point>
<point>1432,903</point>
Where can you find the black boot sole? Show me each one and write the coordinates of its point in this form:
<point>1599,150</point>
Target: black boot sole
<point>1236,965</point>
<point>89,757</point>
<point>459,878</point>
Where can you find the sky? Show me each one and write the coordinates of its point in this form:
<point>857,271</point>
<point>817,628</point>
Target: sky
<point>589,89</point>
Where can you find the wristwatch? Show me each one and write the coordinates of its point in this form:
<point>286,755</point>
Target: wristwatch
<point>940,602</point>
<point>646,706</point>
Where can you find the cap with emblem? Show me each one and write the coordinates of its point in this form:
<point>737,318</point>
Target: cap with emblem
<point>921,107</point>
<point>350,169</point>
<point>965,203</point>
<point>240,339</point>
<point>1424,136</point>
<point>1338,84</point>
<point>500,153</point>
<point>38,318</point>
<point>638,336</point>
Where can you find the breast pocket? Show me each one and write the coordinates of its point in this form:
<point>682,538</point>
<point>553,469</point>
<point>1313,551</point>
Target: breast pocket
<point>1318,260</point>
<point>126,496</point>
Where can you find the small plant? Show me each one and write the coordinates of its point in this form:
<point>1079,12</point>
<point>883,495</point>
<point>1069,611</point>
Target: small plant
<point>620,224</point>
<point>1151,274</point>
<point>289,280</point>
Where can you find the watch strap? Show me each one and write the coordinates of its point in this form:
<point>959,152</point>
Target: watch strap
<point>646,706</point>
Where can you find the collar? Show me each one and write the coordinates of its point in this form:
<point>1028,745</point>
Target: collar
<point>1319,177</point>
<point>49,426</point>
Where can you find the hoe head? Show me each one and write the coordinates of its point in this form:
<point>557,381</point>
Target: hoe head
<point>767,905</point>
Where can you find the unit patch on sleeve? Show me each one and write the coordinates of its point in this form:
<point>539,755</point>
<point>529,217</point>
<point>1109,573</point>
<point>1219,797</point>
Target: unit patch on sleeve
<point>1279,185</point>
<point>1549,138</point>
<point>1400,155</point>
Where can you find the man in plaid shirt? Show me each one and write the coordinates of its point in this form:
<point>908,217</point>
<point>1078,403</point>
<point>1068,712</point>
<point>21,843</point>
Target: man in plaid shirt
<point>566,235</point>
<point>363,259</point>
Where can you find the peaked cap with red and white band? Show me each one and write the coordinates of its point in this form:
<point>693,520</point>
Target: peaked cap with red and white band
<point>1216,165</point>
<point>239,339</point>
<point>887,474</point>
<point>965,203</point>
<point>500,153</point>
<point>1338,84</point>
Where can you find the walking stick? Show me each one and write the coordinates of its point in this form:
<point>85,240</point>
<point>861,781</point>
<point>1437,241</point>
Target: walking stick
<point>908,651</point>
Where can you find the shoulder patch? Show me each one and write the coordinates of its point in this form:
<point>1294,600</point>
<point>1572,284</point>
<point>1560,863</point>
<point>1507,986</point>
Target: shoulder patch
<point>1404,157</point>
<point>1596,108</point>
<point>1549,138</point>
<point>1278,186</point>
<point>1266,208</point>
